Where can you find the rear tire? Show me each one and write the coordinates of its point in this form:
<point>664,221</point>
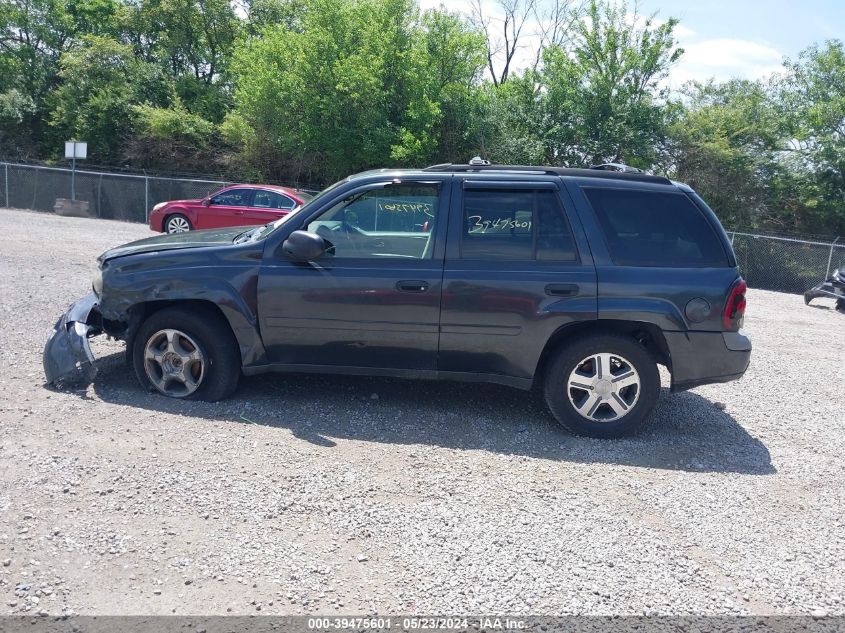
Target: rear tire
<point>177,223</point>
<point>603,385</point>
<point>184,353</point>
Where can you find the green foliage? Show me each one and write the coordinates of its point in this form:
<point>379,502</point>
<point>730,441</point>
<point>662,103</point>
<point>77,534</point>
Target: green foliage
<point>311,90</point>
<point>101,81</point>
<point>172,125</point>
<point>727,137</point>
<point>510,123</point>
<point>770,154</point>
<point>446,62</point>
<point>16,110</point>
<point>813,97</point>
<point>170,138</point>
<point>286,13</point>
<point>604,100</point>
<point>361,83</point>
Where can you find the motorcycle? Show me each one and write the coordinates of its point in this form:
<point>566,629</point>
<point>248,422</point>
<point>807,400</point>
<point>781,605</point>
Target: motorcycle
<point>833,288</point>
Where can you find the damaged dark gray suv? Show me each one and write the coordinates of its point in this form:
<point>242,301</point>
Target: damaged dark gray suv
<point>577,282</point>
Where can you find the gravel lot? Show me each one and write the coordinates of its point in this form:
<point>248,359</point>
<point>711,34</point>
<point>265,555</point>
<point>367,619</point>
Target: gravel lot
<point>307,494</point>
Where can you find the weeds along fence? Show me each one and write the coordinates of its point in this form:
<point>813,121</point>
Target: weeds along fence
<point>785,264</point>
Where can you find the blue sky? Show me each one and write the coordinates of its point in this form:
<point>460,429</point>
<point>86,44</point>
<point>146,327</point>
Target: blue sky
<point>724,38</point>
<point>749,38</point>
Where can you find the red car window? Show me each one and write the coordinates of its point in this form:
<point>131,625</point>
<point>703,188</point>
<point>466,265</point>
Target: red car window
<point>271,200</point>
<point>232,198</point>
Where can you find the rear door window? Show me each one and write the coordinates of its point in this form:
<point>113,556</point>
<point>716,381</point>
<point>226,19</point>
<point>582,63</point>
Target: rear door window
<point>651,228</point>
<point>271,200</point>
<point>518,224</point>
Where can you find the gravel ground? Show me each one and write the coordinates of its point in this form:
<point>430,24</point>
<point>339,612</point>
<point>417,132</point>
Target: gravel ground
<point>306,494</point>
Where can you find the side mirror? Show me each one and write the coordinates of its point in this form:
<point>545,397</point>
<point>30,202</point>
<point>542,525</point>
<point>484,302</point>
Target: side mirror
<point>205,202</point>
<point>303,246</point>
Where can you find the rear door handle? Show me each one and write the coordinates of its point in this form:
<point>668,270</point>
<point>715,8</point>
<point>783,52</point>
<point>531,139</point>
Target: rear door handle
<point>562,290</point>
<point>413,285</point>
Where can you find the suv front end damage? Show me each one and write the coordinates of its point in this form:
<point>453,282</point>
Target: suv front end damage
<point>67,355</point>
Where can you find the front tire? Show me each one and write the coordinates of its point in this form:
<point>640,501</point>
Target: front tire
<point>603,385</point>
<point>183,353</point>
<point>177,223</point>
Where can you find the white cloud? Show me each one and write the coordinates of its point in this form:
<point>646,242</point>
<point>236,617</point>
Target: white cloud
<point>723,59</point>
<point>704,57</point>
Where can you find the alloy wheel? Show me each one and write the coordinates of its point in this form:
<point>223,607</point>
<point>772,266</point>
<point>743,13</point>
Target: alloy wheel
<point>174,363</point>
<point>178,224</point>
<point>603,387</point>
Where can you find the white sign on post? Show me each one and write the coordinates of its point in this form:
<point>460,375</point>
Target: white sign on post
<point>76,149</point>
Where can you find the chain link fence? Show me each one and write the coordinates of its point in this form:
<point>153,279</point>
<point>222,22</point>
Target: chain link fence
<point>772,263</point>
<point>786,264</point>
<point>114,196</point>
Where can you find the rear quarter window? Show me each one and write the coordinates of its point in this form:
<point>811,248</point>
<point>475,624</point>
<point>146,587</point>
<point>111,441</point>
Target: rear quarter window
<point>650,228</point>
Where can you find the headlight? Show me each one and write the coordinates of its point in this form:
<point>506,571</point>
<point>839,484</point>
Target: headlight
<point>159,206</point>
<point>97,282</point>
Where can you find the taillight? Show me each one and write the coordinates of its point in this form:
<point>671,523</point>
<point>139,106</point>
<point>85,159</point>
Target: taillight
<point>735,306</point>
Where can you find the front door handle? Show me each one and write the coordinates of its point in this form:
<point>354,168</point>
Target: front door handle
<point>238,212</point>
<point>413,285</point>
<point>562,290</point>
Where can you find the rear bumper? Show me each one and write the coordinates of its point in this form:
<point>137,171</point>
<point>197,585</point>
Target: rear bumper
<point>701,358</point>
<point>67,355</point>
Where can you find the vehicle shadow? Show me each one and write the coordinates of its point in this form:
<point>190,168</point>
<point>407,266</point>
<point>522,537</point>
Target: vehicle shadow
<point>687,432</point>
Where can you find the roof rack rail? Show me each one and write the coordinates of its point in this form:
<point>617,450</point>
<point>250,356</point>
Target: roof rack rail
<point>555,171</point>
<point>608,170</point>
<point>618,167</point>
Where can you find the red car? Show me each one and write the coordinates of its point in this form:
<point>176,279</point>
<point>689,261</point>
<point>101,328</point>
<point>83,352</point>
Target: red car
<point>238,205</point>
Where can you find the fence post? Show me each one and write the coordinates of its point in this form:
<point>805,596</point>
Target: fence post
<point>147,198</point>
<point>6,165</point>
<point>733,235</point>
<point>100,197</point>
<point>830,258</point>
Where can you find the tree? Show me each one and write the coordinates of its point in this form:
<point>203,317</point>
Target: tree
<point>193,42</point>
<point>509,127</point>
<point>264,13</point>
<point>512,22</point>
<point>33,35</point>
<point>604,100</point>
<point>447,60</point>
<point>101,81</point>
<point>725,143</point>
<point>16,108</point>
<point>319,99</point>
<point>813,97</point>
<point>361,83</point>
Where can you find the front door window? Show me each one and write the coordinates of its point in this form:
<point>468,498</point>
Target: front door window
<point>396,221</point>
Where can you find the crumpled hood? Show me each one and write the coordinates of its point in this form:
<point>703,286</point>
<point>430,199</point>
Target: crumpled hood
<point>168,242</point>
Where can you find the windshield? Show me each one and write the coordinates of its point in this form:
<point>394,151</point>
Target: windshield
<point>264,230</point>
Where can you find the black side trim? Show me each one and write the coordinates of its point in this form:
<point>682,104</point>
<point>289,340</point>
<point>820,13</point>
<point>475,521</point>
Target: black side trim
<point>417,374</point>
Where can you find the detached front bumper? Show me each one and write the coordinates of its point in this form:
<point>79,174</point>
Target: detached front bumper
<point>824,289</point>
<point>67,354</point>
